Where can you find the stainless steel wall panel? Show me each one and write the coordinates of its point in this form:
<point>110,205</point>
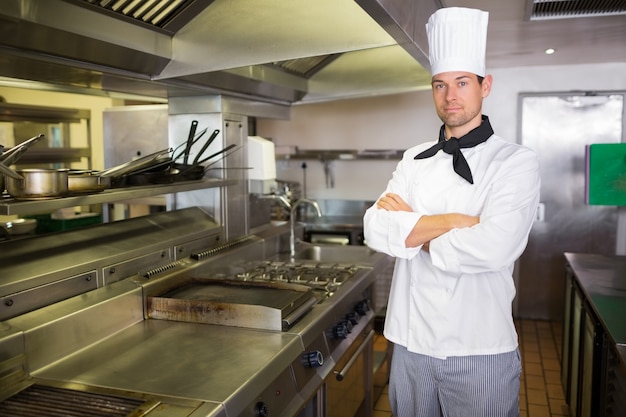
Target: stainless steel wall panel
<point>236,197</point>
<point>56,331</point>
<point>12,305</point>
<point>133,131</point>
<point>558,127</point>
<point>145,262</point>
<point>229,205</point>
<point>130,246</point>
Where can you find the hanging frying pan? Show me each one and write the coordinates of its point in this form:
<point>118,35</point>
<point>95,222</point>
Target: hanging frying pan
<point>226,149</point>
<point>206,145</point>
<point>192,134</point>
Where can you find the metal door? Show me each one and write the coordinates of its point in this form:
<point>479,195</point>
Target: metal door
<point>558,127</point>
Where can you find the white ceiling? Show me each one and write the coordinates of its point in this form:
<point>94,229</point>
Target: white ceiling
<point>512,41</point>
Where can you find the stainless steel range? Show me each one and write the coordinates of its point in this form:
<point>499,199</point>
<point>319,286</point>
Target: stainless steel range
<point>244,331</point>
<point>270,295</point>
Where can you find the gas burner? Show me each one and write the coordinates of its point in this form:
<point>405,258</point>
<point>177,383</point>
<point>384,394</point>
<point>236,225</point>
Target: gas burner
<point>323,278</point>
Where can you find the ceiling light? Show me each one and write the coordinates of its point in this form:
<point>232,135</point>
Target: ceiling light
<point>550,51</point>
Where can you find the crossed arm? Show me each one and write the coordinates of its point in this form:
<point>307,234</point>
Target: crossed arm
<point>429,226</point>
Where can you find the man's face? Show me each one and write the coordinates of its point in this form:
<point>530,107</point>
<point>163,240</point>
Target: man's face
<point>458,99</point>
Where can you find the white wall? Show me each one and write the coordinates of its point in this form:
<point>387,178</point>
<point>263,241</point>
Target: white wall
<point>403,120</point>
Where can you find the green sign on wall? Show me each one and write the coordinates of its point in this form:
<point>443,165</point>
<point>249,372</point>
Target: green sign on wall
<point>605,182</point>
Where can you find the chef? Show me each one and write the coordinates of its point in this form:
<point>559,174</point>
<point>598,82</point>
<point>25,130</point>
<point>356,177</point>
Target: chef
<point>456,215</point>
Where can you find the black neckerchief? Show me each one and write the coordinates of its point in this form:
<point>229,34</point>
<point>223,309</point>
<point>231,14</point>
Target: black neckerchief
<point>453,147</point>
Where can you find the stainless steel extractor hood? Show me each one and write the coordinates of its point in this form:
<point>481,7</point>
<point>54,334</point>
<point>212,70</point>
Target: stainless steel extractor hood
<point>278,51</point>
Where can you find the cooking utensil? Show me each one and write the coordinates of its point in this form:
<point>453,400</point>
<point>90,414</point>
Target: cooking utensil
<point>147,178</point>
<point>19,226</point>
<point>206,145</point>
<point>192,133</point>
<point>83,182</point>
<point>38,184</point>
<point>9,172</point>
<point>226,149</point>
<point>188,172</point>
<point>224,156</point>
<point>176,155</point>
<point>11,156</point>
<point>137,164</point>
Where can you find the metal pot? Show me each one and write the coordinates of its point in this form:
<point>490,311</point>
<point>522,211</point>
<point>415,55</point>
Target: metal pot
<point>38,184</point>
<point>82,182</point>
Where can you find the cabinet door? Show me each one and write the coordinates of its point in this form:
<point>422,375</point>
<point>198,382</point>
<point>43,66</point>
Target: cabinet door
<point>586,374</point>
<point>592,384</point>
<point>572,391</point>
<point>567,331</point>
<point>615,386</point>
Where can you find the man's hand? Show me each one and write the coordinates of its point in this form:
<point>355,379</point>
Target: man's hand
<point>427,227</point>
<point>393,202</point>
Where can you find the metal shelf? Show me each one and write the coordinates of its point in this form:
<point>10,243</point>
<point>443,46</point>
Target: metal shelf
<point>10,206</point>
<point>343,154</point>
<point>53,155</point>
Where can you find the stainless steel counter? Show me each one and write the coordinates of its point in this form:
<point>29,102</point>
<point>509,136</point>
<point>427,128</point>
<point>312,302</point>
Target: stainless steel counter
<point>186,360</point>
<point>102,341</point>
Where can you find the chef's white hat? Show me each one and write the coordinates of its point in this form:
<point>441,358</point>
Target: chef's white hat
<point>457,39</point>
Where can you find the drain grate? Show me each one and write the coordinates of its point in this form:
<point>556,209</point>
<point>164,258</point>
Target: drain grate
<point>42,401</point>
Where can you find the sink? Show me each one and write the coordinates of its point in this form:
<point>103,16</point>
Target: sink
<point>336,254</point>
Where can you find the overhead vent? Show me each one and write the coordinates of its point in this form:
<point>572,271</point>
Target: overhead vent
<point>566,9</point>
<point>164,15</point>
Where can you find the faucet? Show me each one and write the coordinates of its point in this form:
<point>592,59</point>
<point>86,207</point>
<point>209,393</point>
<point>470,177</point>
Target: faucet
<point>292,219</point>
<point>284,201</point>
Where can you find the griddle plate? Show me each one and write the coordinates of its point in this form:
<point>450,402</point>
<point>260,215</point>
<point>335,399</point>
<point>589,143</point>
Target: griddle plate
<point>262,305</point>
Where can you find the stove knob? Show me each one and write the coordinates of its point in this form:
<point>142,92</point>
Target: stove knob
<point>313,359</point>
<point>340,331</point>
<point>261,410</point>
<point>362,307</point>
<point>353,317</point>
<point>348,324</point>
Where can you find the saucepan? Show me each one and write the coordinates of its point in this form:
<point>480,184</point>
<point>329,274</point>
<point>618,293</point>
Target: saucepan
<point>36,184</point>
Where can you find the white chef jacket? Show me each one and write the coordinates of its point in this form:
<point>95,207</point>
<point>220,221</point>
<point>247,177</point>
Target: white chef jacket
<point>456,300</point>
